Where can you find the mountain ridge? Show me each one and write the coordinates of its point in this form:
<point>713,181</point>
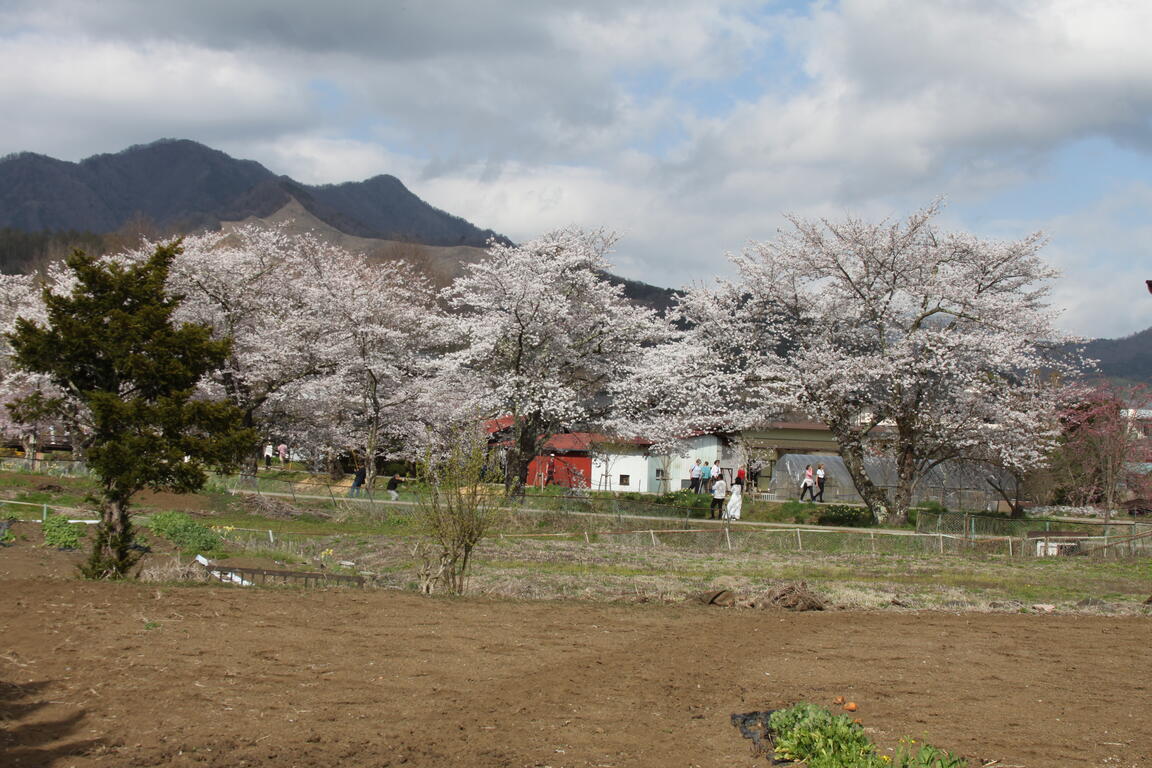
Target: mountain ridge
<point>184,185</point>
<point>48,205</point>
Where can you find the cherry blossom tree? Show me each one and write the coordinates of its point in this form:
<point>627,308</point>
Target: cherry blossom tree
<point>542,336</point>
<point>386,330</point>
<point>327,347</point>
<point>34,405</point>
<point>1103,445</point>
<point>905,340</point>
<point>256,285</point>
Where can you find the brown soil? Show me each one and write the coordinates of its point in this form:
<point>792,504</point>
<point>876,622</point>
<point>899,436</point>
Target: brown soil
<point>138,675</point>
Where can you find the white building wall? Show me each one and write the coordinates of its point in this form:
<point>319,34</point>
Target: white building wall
<point>703,447</point>
<point>608,468</point>
<point>645,473</point>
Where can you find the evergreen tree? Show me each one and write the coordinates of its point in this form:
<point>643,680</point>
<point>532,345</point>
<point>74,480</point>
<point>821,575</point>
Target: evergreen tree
<point>111,345</point>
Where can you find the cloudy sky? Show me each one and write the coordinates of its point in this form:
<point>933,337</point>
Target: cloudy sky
<point>687,126</point>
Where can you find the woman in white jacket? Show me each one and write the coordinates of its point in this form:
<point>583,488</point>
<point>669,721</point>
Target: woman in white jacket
<point>736,500</point>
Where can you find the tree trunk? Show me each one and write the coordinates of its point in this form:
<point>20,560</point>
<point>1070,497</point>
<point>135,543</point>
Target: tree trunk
<point>112,555</point>
<point>905,480</point>
<point>520,457</point>
<point>852,451</point>
<point>241,395</point>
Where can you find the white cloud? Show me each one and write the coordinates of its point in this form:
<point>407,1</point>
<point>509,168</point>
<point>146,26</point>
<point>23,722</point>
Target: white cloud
<point>71,96</point>
<point>527,116</point>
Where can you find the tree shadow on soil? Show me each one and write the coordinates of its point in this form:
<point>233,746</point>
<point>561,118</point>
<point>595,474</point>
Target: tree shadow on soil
<point>36,744</point>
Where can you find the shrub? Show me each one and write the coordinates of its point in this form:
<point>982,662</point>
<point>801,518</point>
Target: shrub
<point>933,506</point>
<point>813,735</point>
<point>186,533</point>
<point>60,533</point>
<point>844,515</point>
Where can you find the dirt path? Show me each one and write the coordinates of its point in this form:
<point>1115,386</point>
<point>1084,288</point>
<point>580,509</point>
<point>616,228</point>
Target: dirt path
<point>131,675</point>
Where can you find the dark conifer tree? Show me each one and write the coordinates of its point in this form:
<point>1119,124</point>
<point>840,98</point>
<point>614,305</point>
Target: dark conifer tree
<point>112,346</point>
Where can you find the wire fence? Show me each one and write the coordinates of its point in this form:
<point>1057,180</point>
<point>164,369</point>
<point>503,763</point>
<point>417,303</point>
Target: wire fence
<point>936,533</point>
<point>320,489</point>
<point>1047,537</point>
<point>45,466</point>
<point>945,533</point>
<point>36,512</point>
<point>789,540</point>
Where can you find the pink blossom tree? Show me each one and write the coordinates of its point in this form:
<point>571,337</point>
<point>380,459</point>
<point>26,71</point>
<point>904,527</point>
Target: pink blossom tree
<point>33,404</point>
<point>542,336</point>
<point>386,330</point>
<point>254,285</point>
<point>905,340</point>
<point>1104,446</point>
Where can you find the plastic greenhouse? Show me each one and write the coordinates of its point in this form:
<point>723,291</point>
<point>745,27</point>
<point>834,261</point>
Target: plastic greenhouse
<point>958,485</point>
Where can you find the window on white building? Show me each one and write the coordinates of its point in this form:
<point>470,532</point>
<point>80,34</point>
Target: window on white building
<point>625,479</point>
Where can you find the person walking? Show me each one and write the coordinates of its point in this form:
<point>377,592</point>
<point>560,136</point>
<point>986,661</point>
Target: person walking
<point>719,491</point>
<point>694,477</point>
<point>807,483</point>
<point>736,500</point>
<point>269,452</point>
<point>819,483</point>
<point>393,482</point>
<point>706,478</point>
<point>358,481</point>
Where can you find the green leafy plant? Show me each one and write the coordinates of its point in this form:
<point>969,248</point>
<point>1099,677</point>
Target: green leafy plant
<point>926,756</point>
<point>822,740</point>
<point>61,534</point>
<point>811,734</point>
<point>186,533</point>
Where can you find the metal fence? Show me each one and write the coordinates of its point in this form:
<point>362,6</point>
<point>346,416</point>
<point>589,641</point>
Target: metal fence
<point>799,539</point>
<point>46,466</point>
<point>319,489</point>
<point>1113,538</point>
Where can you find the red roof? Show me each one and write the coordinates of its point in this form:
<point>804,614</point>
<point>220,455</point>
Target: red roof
<point>495,425</point>
<point>583,441</point>
<point>567,442</point>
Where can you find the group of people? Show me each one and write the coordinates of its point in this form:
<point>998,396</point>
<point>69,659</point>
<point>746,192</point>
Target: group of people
<point>709,478</point>
<point>702,475</point>
<point>361,475</point>
<point>271,451</point>
<point>812,483</point>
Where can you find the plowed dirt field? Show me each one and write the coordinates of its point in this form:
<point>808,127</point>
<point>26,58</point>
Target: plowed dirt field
<point>120,675</point>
